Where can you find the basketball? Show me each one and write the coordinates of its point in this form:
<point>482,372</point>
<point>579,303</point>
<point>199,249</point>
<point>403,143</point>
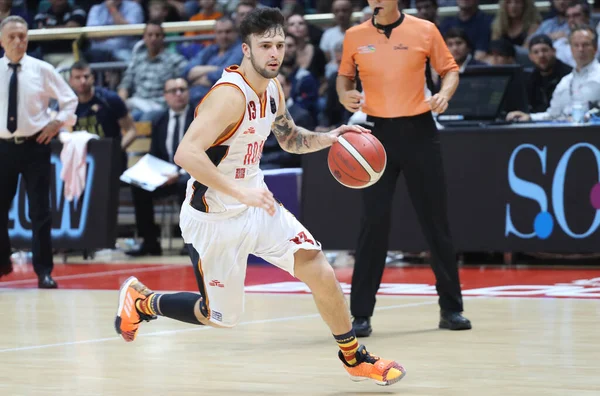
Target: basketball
<point>357,160</point>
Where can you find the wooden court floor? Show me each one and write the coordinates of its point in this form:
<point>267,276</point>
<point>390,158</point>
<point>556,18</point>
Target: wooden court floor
<point>62,342</point>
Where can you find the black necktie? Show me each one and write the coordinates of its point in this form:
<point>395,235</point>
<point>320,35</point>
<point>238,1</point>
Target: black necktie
<point>11,122</point>
<point>175,141</point>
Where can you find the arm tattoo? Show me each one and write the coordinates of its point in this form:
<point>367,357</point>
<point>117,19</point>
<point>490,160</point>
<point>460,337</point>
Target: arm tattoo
<point>293,138</point>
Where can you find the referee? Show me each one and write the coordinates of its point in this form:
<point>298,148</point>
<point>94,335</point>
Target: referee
<point>390,52</point>
<point>26,130</point>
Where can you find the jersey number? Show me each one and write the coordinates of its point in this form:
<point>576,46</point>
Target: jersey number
<point>251,111</point>
<point>253,153</point>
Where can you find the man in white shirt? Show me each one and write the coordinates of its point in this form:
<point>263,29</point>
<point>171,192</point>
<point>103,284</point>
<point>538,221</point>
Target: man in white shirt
<point>342,11</point>
<point>582,85</point>
<point>26,129</point>
<point>578,13</point>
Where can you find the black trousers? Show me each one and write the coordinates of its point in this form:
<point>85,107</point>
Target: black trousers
<point>32,161</point>
<point>143,202</point>
<point>412,146</point>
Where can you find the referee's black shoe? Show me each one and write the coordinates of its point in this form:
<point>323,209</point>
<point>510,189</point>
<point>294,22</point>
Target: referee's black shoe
<point>46,282</point>
<point>454,321</point>
<point>362,326</point>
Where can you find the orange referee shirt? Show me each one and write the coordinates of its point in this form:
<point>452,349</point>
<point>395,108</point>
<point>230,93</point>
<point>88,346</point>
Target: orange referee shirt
<point>392,70</point>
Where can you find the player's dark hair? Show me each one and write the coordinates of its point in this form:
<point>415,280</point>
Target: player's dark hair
<point>262,21</point>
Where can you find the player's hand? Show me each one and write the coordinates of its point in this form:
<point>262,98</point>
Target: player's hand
<point>258,198</point>
<point>517,116</point>
<point>333,135</point>
<point>351,100</point>
<point>437,103</point>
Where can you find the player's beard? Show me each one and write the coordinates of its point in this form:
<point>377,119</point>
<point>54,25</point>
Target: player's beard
<point>263,71</point>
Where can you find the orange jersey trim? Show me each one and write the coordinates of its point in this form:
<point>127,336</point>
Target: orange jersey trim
<point>262,98</point>
<point>207,302</point>
<point>237,125</point>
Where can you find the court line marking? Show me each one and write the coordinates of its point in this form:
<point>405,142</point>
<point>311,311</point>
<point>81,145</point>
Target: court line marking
<point>94,274</point>
<point>199,328</point>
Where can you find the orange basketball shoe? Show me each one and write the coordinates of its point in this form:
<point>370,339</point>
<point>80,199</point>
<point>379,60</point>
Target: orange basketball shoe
<point>128,317</point>
<point>383,372</point>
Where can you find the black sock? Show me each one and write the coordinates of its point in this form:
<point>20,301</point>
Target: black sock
<point>179,306</point>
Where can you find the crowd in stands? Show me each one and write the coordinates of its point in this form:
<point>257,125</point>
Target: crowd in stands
<point>517,34</point>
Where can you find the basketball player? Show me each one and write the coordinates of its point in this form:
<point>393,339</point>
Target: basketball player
<point>229,213</point>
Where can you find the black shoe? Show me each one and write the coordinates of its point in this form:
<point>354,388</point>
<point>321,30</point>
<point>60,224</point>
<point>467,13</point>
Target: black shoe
<point>46,282</point>
<point>6,269</point>
<point>362,326</point>
<point>454,321</point>
<point>146,249</point>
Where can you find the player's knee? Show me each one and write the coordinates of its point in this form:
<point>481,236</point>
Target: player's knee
<point>311,264</point>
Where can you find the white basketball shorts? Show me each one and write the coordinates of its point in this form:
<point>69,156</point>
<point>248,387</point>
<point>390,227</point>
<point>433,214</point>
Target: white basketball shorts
<point>221,248</point>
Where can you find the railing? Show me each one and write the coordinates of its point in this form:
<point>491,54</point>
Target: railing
<point>196,26</point>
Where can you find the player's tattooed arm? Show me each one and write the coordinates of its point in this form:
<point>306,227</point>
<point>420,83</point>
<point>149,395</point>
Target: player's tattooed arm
<point>295,139</point>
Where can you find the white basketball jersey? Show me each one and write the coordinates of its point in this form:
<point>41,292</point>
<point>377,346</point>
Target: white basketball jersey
<point>237,155</point>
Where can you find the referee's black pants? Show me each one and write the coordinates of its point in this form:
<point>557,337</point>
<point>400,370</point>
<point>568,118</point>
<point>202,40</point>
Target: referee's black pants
<point>32,161</point>
<point>412,146</point>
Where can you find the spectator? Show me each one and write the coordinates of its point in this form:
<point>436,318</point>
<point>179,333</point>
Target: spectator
<point>334,36</point>
<point>113,12</point>
<point>208,12</point>
<point>557,26</point>
<point>461,48</point>
<point>230,6</point>
<point>162,11</point>
<point>273,156</point>
<point>308,55</point>
<point>578,13</point>
<point>427,9</point>
<point>581,85</point>
<point>367,14</point>
<point>516,20</point>
<point>207,66</point>
<point>144,79</point>
<point>7,9</point>
<point>167,131</point>
<point>60,14</point>
<point>100,111</point>
<point>502,52</point>
<point>304,85</point>
<point>243,8</point>
<point>474,22</point>
<point>547,73</point>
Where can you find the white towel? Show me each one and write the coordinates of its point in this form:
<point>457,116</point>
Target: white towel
<point>74,164</point>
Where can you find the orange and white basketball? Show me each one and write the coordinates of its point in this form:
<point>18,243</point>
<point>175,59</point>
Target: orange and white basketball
<point>357,160</point>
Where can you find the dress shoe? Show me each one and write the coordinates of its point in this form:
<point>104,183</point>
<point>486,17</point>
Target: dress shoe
<point>362,326</point>
<point>46,282</point>
<point>454,321</point>
<point>6,269</point>
<point>146,249</point>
